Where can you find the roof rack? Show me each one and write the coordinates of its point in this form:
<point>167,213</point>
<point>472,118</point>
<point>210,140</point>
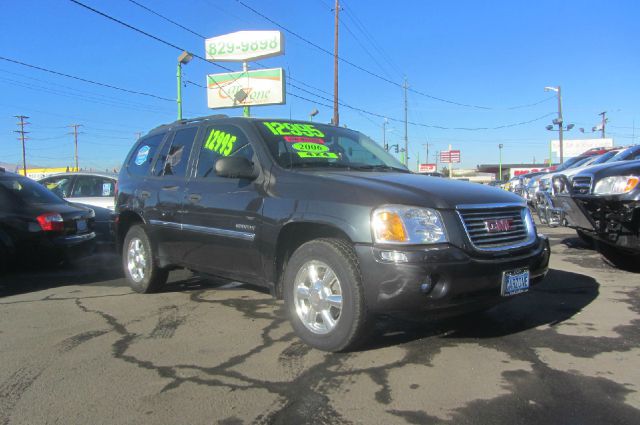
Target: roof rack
<point>190,120</point>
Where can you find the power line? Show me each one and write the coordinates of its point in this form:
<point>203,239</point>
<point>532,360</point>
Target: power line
<point>84,79</point>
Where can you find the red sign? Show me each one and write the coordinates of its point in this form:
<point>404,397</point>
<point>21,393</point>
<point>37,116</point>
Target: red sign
<point>448,157</point>
<point>427,168</point>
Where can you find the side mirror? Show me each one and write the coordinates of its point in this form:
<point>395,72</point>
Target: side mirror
<point>235,167</point>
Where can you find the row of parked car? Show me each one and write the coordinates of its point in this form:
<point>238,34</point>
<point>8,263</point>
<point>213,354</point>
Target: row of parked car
<point>596,193</point>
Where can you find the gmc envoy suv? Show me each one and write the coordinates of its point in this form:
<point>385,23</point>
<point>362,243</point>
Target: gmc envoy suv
<point>323,217</point>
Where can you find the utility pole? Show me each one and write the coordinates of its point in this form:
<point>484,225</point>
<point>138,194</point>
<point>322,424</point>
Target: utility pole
<point>500,163</point>
<point>604,121</point>
<point>22,138</point>
<point>384,135</point>
<point>560,123</point>
<point>406,137</point>
<point>336,116</point>
<point>75,142</point>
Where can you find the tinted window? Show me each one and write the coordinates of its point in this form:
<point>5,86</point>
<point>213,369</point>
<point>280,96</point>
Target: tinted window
<point>143,155</point>
<point>60,185</point>
<point>174,157</point>
<point>93,186</point>
<point>28,191</point>
<point>220,141</point>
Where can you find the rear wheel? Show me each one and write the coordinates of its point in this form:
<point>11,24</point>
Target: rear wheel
<point>139,262</point>
<point>324,295</point>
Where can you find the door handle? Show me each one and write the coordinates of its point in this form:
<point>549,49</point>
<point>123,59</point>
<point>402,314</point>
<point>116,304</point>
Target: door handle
<point>194,197</point>
<point>174,187</point>
<point>145,194</point>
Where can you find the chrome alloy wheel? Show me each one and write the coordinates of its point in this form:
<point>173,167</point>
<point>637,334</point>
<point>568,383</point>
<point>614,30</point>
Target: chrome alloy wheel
<point>136,259</point>
<point>317,296</point>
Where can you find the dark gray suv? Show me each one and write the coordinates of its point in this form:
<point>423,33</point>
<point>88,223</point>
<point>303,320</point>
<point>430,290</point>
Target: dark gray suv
<point>323,217</point>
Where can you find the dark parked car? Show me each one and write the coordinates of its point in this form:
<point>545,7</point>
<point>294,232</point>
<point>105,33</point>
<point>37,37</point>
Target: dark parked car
<point>36,225</point>
<point>603,204</point>
<point>323,217</point>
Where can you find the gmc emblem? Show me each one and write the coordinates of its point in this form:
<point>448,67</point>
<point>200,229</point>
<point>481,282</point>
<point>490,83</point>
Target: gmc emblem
<point>502,225</point>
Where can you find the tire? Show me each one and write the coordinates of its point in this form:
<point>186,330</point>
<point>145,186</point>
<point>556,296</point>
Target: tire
<point>341,321</point>
<point>139,262</point>
<point>626,260</point>
<point>584,237</point>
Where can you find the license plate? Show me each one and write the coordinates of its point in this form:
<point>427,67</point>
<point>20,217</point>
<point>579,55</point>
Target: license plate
<point>81,225</point>
<point>514,282</point>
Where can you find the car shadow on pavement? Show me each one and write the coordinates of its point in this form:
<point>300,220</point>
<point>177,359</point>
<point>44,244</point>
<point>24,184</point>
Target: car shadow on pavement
<point>98,267</point>
<point>558,298</point>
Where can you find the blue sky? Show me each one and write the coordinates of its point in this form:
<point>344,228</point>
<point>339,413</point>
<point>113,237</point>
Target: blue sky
<point>494,54</point>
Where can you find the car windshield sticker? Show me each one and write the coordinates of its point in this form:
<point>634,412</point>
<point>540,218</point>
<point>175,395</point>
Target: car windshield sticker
<point>106,189</point>
<point>313,150</point>
<point>142,155</point>
<point>302,139</point>
<point>291,129</point>
<point>221,142</point>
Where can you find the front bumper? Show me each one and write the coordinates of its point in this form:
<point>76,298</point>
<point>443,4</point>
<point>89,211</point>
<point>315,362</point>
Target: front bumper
<point>456,281</point>
<point>615,222</point>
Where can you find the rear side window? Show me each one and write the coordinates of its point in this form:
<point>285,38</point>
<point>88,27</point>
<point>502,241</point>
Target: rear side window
<point>143,154</point>
<point>174,157</point>
<point>93,187</point>
<point>220,141</point>
<point>28,191</point>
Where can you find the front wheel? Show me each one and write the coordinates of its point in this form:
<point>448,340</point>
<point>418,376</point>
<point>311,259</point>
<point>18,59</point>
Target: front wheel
<point>324,295</point>
<point>139,262</point>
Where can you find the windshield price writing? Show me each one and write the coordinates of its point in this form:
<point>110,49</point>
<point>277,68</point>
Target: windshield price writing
<point>290,129</point>
<point>221,142</point>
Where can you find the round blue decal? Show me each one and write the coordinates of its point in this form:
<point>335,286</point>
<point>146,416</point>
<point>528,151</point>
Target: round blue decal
<point>142,155</point>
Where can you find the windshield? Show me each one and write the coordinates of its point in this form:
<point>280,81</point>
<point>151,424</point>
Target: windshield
<point>605,157</point>
<point>296,144</point>
<point>625,154</point>
<point>27,191</point>
<point>571,162</point>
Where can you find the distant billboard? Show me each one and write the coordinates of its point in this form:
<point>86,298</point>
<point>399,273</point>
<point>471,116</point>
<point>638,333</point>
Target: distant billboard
<point>575,147</point>
<point>427,168</point>
<point>260,87</point>
<point>242,46</point>
<point>448,157</point>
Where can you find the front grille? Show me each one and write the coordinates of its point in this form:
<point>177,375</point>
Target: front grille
<point>581,184</point>
<point>477,223</point>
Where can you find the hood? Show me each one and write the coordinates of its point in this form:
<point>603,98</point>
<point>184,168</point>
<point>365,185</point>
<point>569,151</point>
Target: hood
<point>376,188</point>
<point>621,168</point>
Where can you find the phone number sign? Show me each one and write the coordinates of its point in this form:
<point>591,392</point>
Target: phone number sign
<point>244,46</point>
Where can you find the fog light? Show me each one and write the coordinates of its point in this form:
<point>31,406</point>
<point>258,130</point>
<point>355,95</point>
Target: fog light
<point>394,256</point>
<point>426,286</point>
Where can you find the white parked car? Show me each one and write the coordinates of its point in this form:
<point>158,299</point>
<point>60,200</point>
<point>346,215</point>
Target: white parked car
<point>94,189</point>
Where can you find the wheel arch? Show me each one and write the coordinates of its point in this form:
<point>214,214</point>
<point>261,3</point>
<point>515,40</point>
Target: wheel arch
<point>291,236</point>
<point>125,220</point>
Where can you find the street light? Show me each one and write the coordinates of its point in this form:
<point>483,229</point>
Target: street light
<point>184,58</point>
<point>500,163</point>
<point>313,114</point>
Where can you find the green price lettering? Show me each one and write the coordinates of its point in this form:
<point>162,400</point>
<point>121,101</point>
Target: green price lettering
<point>221,142</point>
<point>325,155</point>
<point>290,129</point>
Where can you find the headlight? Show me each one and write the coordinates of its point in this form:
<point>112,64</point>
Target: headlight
<point>399,224</point>
<point>616,185</point>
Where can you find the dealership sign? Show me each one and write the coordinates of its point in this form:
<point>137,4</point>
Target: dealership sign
<point>571,148</point>
<point>260,87</point>
<point>520,171</point>
<point>448,157</point>
<point>243,46</point>
<point>427,168</point>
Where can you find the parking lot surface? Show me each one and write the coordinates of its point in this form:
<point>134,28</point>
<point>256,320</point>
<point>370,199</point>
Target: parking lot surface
<point>78,347</point>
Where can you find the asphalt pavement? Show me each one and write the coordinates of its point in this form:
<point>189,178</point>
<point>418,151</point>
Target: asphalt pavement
<point>78,347</point>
